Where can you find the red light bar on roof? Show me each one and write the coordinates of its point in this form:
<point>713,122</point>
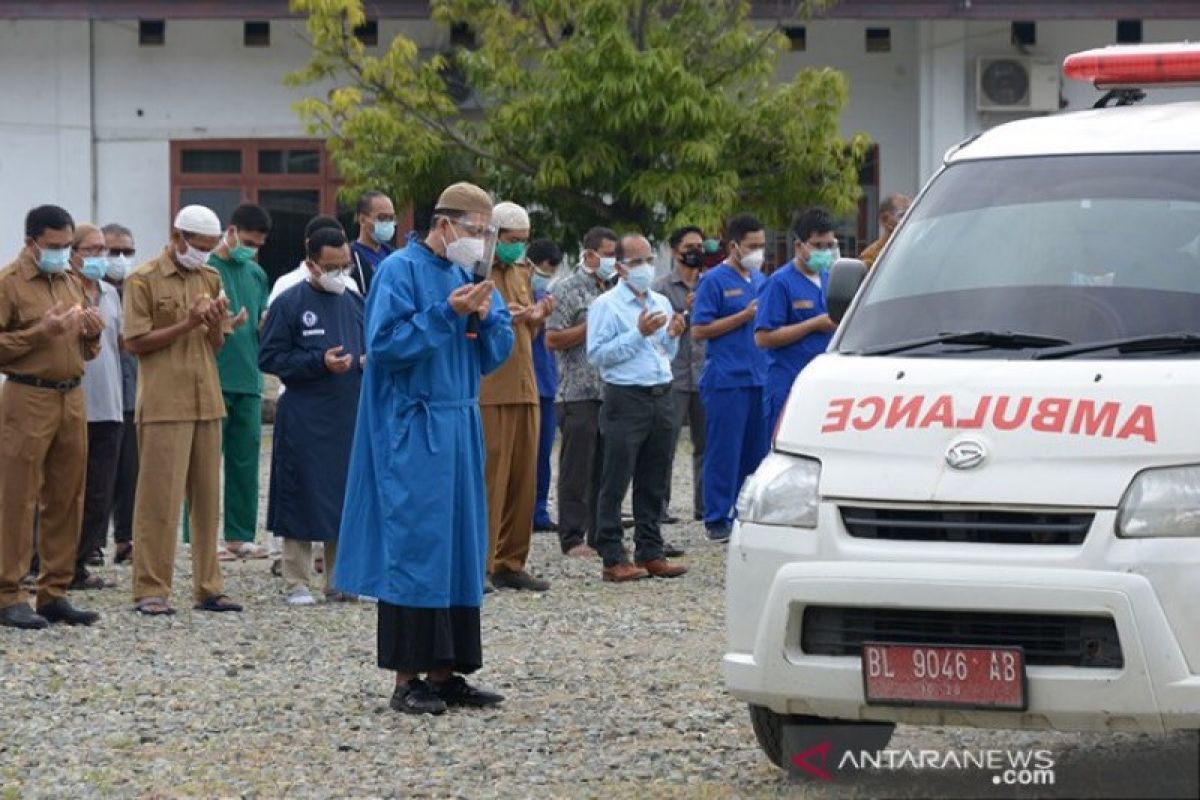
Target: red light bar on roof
<point>1136,66</point>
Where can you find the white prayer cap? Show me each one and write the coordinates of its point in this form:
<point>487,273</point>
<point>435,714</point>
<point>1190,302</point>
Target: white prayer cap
<point>198,219</point>
<point>510,217</point>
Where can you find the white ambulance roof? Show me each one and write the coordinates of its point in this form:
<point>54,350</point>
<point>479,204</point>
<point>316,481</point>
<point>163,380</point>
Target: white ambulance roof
<point>1172,127</point>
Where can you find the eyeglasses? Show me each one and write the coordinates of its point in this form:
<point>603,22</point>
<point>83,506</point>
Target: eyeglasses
<point>121,251</point>
<point>638,262</point>
<point>98,250</point>
<point>471,228</point>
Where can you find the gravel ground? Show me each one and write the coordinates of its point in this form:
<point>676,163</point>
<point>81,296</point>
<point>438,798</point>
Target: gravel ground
<point>614,691</point>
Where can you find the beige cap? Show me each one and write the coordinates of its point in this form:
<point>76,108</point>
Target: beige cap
<point>466,197</point>
<point>198,219</point>
<point>510,217</point>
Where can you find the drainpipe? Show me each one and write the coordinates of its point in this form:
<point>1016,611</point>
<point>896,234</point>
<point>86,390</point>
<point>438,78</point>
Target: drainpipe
<point>92,118</point>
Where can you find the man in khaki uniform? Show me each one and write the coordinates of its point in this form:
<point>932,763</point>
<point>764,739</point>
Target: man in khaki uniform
<point>46,334</point>
<point>176,317</point>
<point>891,211</point>
<point>508,404</point>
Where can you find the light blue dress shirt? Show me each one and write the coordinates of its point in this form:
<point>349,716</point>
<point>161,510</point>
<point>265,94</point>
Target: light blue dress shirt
<point>618,349</point>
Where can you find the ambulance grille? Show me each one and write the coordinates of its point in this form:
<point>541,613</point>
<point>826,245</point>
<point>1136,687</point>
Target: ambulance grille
<point>967,525</point>
<point>1057,640</point>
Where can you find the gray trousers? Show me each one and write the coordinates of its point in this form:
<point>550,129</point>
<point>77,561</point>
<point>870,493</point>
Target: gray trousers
<point>580,455</point>
<point>689,409</point>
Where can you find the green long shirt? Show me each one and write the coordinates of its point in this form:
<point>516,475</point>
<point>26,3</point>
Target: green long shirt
<point>246,287</point>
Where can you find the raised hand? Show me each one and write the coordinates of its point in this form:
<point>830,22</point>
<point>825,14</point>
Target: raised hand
<point>650,322</point>
<point>91,321</point>
<point>678,323</point>
<point>483,298</point>
<point>199,312</point>
<point>240,319</point>
<point>337,362</point>
<point>57,320</point>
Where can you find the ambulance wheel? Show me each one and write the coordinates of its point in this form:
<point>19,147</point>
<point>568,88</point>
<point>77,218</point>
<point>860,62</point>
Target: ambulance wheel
<point>850,735</point>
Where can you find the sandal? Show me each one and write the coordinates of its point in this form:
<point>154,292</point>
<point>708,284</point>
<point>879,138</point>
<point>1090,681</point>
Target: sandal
<point>153,607</point>
<point>224,554</point>
<point>247,550</point>
<point>217,603</point>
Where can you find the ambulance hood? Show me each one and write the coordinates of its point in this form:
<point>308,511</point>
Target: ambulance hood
<point>1063,432</point>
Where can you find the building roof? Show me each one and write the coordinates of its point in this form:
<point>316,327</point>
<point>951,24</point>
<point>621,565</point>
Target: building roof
<point>1170,127</point>
<point>762,9</point>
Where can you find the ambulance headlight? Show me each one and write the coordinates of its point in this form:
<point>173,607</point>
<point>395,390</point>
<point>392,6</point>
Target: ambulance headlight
<point>1162,502</point>
<point>782,491</point>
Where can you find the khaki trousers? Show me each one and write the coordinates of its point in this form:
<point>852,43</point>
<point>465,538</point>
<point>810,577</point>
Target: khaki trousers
<point>177,460</point>
<point>43,461</point>
<point>298,559</point>
<point>510,435</point>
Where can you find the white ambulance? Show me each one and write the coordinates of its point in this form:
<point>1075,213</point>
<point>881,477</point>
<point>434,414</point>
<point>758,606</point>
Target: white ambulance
<point>982,505</point>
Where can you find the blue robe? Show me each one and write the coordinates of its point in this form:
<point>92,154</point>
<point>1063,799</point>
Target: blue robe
<point>314,419</point>
<point>415,524</point>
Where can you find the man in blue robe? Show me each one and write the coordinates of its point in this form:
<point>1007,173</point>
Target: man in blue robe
<point>415,525</point>
<point>313,340</point>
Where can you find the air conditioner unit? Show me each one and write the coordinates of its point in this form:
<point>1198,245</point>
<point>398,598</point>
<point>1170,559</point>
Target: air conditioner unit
<point>1016,84</point>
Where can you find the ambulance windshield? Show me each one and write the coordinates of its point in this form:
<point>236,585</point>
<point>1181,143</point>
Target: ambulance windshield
<point>1082,249</point>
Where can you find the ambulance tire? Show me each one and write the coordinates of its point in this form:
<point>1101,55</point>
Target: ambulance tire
<point>852,735</point>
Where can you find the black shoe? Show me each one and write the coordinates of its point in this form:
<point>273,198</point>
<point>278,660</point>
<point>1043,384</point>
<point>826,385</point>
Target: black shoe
<point>520,579</point>
<point>668,519</point>
<point>455,691</point>
<point>698,516</point>
<point>627,522</point>
<point>416,697</point>
<point>546,526</point>
<point>20,615</point>
<point>61,610</point>
<point>123,553</point>
<point>95,558</point>
<point>672,550</point>
<point>86,581</point>
<point>718,532</point>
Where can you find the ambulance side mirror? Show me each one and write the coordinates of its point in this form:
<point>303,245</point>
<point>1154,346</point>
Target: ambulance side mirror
<point>844,279</point>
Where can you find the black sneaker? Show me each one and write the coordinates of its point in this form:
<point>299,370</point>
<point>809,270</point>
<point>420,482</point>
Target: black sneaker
<point>61,610</point>
<point>718,532</point>
<point>505,579</point>
<point>416,697</point>
<point>673,550</point>
<point>20,615</point>
<point>455,691</point>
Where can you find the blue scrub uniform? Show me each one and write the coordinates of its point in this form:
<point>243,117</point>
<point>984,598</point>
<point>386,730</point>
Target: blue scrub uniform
<point>789,297</point>
<point>545,370</point>
<point>731,388</point>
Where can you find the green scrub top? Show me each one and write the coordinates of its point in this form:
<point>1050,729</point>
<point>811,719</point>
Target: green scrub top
<point>246,287</point>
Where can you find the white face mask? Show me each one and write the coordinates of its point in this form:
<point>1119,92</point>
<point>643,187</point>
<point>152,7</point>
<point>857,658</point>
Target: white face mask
<point>193,259</point>
<point>332,282</point>
<point>754,259</point>
<point>118,267</point>
<point>466,251</point>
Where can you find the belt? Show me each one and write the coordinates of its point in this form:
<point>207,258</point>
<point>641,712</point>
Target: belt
<point>653,391</point>
<point>40,383</point>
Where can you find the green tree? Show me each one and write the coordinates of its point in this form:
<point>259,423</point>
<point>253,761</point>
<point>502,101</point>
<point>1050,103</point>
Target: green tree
<point>636,114</point>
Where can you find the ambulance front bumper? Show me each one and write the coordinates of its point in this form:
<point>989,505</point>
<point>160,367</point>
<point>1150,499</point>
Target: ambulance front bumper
<point>769,588</point>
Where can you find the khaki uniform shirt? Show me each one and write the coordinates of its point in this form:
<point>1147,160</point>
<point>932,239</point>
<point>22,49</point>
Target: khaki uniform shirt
<point>178,383</point>
<point>26,294</point>
<point>514,382</point>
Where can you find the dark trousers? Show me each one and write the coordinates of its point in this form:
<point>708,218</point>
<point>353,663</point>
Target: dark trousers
<point>638,423</point>
<point>104,447</point>
<point>126,488</point>
<point>580,456</point>
<point>541,509</point>
<point>689,409</point>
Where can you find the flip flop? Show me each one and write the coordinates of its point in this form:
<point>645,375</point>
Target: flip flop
<point>217,603</point>
<point>153,607</point>
<point>247,550</point>
<point>224,554</point>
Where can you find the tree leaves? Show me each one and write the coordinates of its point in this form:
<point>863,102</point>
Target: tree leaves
<point>636,114</point>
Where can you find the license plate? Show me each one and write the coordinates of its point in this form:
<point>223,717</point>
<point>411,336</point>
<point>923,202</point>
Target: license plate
<point>938,675</point>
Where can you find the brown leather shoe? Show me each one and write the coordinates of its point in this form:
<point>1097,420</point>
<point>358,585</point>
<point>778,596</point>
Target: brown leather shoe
<point>621,573</point>
<point>661,568</point>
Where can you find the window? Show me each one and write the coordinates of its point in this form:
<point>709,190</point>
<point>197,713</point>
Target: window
<point>368,33</point>
<point>289,162</point>
<point>256,34</point>
<point>1024,34</point>
<point>1129,31</point>
<point>797,37</point>
<point>152,32</point>
<point>210,161</point>
<point>879,40</point>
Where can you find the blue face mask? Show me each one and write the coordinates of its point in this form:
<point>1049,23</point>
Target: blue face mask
<point>383,232</point>
<point>540,282</point>
<point>820,260</point>
<point>94,267</point>
<point>607,268</point>
<point>640,277</point>
<point>54,261</point>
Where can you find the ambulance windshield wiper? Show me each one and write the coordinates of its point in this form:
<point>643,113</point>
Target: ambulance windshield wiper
<point>1159,342</point>
<point>1004,340</point>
